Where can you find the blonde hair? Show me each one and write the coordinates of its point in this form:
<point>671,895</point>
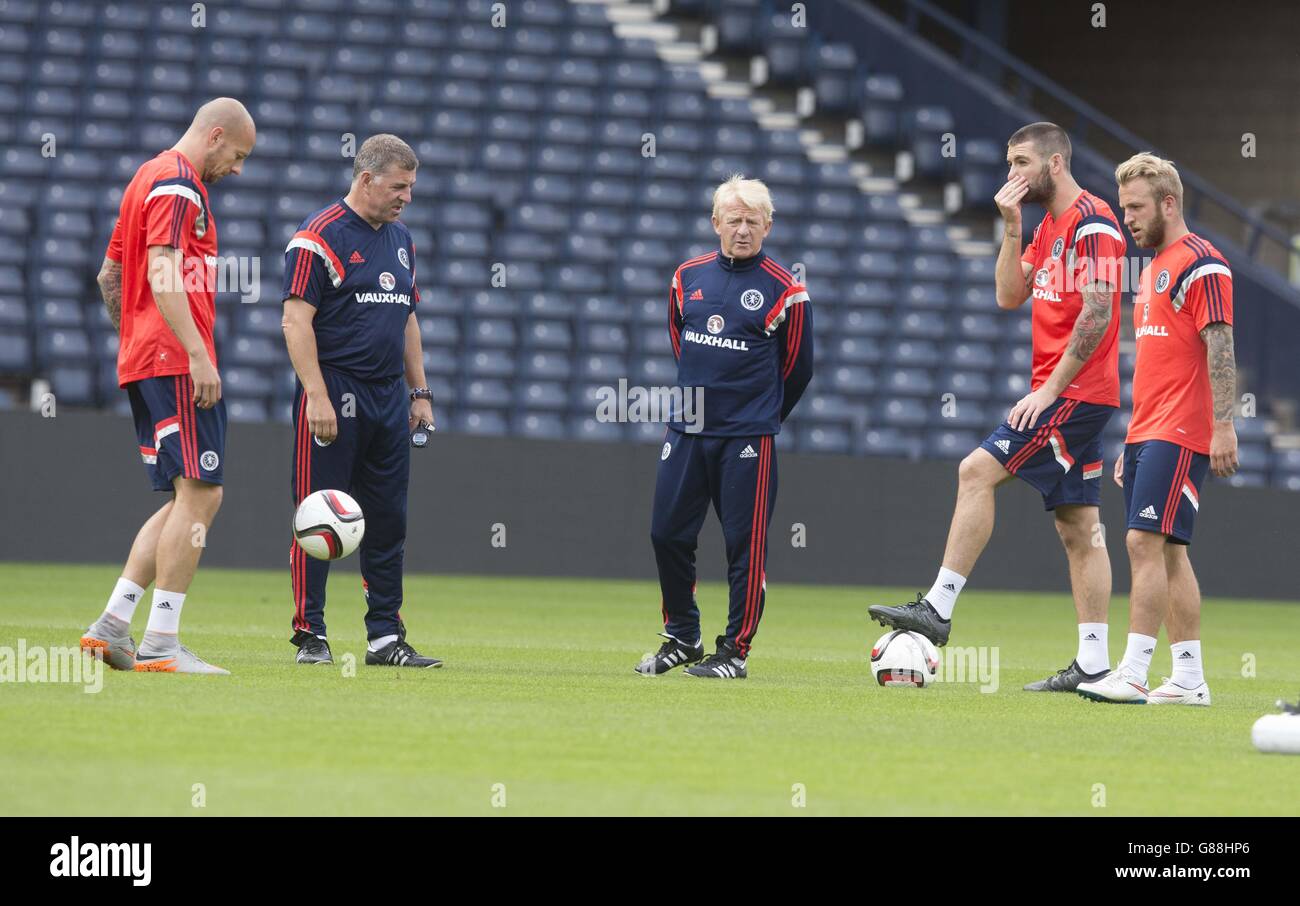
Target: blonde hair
<point>1159,174</point>
<point>752,193</point>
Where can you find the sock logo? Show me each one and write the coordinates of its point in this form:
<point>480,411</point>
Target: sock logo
<point>163,605</point>
<point>1090,637</point>
<point>948,586</point>
<point>1148,651</point>
<point>130,597</point>
<point>1186,655</point>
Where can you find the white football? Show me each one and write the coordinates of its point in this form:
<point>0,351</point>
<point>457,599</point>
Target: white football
<point>328,525</point>
<point>904,659</point>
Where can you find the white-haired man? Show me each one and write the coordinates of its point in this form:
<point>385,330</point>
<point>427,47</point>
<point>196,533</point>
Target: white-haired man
<point>741,329</point>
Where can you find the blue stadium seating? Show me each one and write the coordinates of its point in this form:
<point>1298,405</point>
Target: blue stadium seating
<point>536,173</point>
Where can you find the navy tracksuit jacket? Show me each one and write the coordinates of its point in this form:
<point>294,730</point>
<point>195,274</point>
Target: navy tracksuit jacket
<point>741,329</point>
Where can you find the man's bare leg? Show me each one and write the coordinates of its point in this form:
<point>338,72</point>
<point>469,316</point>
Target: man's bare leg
<point>1148,600</point>
<point>1079,528</point>
<point>1183,625</point>
<point>110,635</point>
<point>180,545</point>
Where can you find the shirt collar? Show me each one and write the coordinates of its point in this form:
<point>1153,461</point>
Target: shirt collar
<point>740,264</point>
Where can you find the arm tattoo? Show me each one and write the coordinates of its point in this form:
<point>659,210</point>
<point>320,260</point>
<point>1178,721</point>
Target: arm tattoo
<point>1093,321</point>
<point>110,287</point>
<point>1223,368</point>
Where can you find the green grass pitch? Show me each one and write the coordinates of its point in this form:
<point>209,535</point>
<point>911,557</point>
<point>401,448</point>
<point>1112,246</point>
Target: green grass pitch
<point>539,696</point>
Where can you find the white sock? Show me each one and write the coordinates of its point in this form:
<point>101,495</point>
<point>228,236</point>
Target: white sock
<point>1137,656</point>
<point>376,644</point>
<point>165,614</point>
<point>1187,664</point>
<point>121,604</point>
<point>1093,656</point>
<point>943,593</point>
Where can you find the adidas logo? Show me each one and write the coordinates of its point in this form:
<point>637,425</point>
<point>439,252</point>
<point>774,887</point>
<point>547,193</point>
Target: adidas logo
<point>130,597</point>
<point>1185,656</point>
<point>748,452</point>
<point>356,259</point>
<point>696,296</point>
<point>1090,637</point>
<point>163,605</point>
<point>1149,513</point>
<point>948,586</point>
<point>1003,445</point>
<point>1148,651</point>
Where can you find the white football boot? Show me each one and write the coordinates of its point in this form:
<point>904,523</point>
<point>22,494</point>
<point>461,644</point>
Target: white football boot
<point>167,655</point>
<point>1170,693</point>
<point>1120,687</point>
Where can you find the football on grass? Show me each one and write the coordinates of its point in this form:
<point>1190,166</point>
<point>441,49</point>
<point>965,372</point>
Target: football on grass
<point>328,525</point>
<point>904,659</point>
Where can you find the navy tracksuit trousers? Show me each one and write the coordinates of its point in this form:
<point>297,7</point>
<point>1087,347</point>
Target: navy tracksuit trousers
<point>371,460</point>
<point>738,475</point>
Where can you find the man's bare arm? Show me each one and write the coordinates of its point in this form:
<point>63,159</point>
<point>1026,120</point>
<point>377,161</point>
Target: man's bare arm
<point>166,280</point>
<point>1223,368</point>
<point>1011,276</point>
<point>1093,322</point>
<point>110,288</point>
<point>1089,330</point>
<point>1222,360</point>
<point>300,340</point>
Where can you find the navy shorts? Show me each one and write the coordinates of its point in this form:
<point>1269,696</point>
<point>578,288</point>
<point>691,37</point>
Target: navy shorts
<point>1061,457</point>
<point>177,439</point>
<point>1162,488</point>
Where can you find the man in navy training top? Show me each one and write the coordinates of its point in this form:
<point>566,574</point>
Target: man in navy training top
<point>349,322</point>
<point>741,329</point>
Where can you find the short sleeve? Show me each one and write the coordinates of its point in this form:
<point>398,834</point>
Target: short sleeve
<point>1207,293</point>
<point>114,251</point>
<point>304,275</point>
<point>170,209</point>
<point>1099,249</point>
<point>1030,254</point>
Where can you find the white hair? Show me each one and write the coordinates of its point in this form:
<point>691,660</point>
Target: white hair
<point>752,193</point>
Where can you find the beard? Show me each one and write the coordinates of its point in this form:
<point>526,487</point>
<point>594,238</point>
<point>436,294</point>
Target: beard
<point>1041,190</point>
<point>1153,236</point>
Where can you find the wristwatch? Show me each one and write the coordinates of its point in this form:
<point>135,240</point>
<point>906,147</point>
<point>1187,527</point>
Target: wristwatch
<point>422,393</point>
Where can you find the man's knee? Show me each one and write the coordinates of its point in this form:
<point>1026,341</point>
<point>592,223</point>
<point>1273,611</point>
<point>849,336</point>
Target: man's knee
<point>200,495</point>
<point>1076,526</point>
<point>980,470</point>
<point>1145,546</point>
